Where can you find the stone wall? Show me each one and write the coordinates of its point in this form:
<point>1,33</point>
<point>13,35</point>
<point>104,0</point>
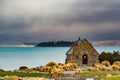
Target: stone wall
<point>80,50</point>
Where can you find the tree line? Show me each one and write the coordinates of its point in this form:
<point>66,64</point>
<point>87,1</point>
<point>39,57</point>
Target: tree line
<point>55,44</point>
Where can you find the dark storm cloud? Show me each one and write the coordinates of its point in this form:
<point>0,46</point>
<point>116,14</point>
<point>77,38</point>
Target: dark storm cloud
<point>103,16</point>
<point>44,20</point>
<point>109,36</point>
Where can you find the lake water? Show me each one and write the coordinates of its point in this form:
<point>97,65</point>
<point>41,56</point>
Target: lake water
<point>13,57</point>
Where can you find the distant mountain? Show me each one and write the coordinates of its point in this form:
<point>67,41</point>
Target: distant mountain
<point>107,43</point>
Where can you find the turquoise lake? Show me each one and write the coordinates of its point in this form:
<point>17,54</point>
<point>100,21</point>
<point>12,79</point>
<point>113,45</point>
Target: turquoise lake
<point>13,57</point>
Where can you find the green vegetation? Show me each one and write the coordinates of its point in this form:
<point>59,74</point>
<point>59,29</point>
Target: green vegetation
<point>22,74</point>
<point>1,70</point>
<point>55,44</point>
<point>103,70</point>
<point>112,78</point>
<point>51,64</point>
<point>111,57</point>
<point>100,74</point>
<point>23,68</point>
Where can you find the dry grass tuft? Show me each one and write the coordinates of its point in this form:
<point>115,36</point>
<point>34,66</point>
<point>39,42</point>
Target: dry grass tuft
<point>56,72</point>
<point>94,69</point>
<point>117,63</point>
<point>51,64</point>
<point>103,68</point>
<point>106,63</point>
<point>115,67</point>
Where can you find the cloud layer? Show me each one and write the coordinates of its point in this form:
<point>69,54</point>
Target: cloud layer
<point>44,20</point>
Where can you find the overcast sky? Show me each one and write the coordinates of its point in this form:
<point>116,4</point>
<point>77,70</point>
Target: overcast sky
<point>48,20</point>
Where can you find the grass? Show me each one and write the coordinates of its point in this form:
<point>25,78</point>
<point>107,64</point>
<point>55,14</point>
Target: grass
<point>112,78</point>
<point>102,74</point>
<point>21,74</point>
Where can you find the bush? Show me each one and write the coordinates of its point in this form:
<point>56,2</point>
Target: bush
<point>66,67</point>
<point>111,57</point>
<point>97,65</point>
<point>109,69</point>
<point>51,64</point>
<point>56,72</point>
<point>23,68</point>
<point>115,67</point>
<point>106,63</point>
<point>1,70</point>
<point>46,69</point>
<point>116,63</point>
<point>103,68</point>
<point>92,69</point>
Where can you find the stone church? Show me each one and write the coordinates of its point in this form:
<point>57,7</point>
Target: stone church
<point>82,53</point>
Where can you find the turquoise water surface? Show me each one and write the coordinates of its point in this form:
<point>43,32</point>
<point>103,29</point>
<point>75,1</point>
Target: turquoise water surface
<point>13,57</point>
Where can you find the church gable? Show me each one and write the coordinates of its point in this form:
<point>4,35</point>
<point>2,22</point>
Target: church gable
<point>87,47</point>
<point>82,52</point>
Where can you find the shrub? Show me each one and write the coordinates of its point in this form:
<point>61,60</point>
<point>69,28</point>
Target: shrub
<point>97,65</point>
<point>115,67</point>
<point>109,69</point>
<point>51,64</point>
<point>106,63</point>
<point>46,69</point>
<point>60,67</point>
<point>103,68</point>
<point>92,69</point>
<point>60,64</point>
<point>111,57</point>
<point>116,63</point>
<point>67,67</point>
<point>1,70</point>
<point>38,68</point>
<point>56,72</point>
<point>23,68</point>
<point>106,56</point>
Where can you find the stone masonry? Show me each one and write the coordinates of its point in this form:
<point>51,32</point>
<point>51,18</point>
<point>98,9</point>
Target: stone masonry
<point>82,53</point>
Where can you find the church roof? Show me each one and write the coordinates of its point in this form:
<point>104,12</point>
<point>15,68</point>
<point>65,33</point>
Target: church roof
<point>71,49</point>
<point>78,42</point>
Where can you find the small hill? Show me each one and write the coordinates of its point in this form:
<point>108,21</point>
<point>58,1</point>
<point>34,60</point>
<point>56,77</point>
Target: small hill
<point>55,44</point>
